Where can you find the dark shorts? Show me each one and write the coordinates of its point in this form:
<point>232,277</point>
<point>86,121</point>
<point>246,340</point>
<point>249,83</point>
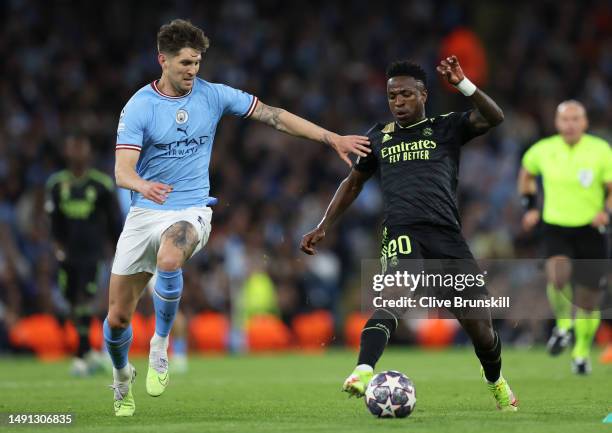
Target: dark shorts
<point>79,282</point>
<point>428,242</point>
<point>432,250</point>
<point>584,242</point>
<point>585,245</point>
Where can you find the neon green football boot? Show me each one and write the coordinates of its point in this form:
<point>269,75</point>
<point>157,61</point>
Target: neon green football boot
<point>124,400</point>
<point>504,397</point>
<point>357,382</point>
<point>157,376</point>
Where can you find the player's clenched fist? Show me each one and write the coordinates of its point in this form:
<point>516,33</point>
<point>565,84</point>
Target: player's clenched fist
<point>310,239</point>
<point>530,219</point>
<point>602,219</point>
<point>450,69</point>
<point>155,191</point>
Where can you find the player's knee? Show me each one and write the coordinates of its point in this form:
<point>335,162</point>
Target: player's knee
<point>559,271</point>
<point>168,263</point>
<point>557,281</point>
<point>118,320</point>
<point>588,299</point>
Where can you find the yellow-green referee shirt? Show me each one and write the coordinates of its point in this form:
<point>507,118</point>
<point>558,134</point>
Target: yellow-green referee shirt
<point>574,177</point>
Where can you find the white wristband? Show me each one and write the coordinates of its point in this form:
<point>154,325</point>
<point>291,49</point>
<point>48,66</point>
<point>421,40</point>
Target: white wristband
<point>466,87</point>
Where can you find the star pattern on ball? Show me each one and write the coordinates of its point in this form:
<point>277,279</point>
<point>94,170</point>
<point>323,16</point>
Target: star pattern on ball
<point>392,383</point>
<point>390,394</point>
<point>388,408</point>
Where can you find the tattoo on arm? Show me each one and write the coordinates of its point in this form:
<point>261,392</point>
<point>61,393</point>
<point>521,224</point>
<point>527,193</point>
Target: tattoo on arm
<point>269,115</point>
<point>184,236</point>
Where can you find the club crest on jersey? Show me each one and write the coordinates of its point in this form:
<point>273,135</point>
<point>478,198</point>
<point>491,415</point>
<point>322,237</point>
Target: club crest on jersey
<point>181,116</point>
<point>427,132</point>
<point>585,176</point>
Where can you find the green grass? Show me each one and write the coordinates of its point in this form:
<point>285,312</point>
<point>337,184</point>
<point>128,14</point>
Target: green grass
<point>301,393</point>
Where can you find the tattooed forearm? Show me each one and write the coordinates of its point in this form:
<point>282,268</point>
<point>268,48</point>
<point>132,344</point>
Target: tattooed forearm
<point>184,236</point>
<point>269,115</point>
<point>289,123</point>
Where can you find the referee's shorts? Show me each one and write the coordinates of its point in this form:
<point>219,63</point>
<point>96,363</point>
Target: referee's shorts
<point>585,245</point>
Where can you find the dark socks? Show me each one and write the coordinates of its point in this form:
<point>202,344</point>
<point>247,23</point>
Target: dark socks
<point>490,359</point>
<point>375,335</point>
<point>82,324</point>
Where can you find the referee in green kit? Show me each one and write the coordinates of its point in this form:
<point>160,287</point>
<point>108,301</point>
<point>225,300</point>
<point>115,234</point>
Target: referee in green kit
<point>576,170</point>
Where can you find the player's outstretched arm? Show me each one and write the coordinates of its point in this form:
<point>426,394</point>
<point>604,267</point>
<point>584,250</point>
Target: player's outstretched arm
<point>528,189</point>
<point>288,122</point>
<point>487,113</point>
<point>126,177</point>
<point>346,193</point>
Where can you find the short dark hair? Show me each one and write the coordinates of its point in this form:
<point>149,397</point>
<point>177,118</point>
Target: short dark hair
<point>179,34</point>
<point>407,68</point>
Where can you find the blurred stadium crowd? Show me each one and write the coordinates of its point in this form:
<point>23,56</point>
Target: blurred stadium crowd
<point>73,65</point>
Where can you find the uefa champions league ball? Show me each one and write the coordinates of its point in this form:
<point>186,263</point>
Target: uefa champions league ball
<point>390,394</point>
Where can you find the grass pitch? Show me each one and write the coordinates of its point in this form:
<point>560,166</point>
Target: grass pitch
<point>301,393</point>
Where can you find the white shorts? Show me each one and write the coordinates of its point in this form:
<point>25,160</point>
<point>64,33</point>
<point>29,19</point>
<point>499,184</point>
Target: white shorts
<point>141,236</point>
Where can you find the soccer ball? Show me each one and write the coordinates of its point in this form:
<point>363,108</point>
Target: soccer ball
<point>390,394</point>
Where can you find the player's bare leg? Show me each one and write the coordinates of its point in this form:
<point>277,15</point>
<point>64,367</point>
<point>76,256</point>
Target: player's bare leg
<point>559,292</point>
<point>177,244</point>
<point>124,293</point>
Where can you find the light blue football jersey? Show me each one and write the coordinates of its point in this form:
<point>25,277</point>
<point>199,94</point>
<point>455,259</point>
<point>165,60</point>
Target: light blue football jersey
<point>175,134</point>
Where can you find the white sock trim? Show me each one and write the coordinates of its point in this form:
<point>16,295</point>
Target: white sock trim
<point>122,375</point>
<point>380,329</point>
<point>364,367</point>
<point>166,299</point>
<point>392,315</point>
<point>159,343</point>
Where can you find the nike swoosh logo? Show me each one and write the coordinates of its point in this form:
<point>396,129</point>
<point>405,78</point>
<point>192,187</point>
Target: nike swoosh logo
<point>163,380</point>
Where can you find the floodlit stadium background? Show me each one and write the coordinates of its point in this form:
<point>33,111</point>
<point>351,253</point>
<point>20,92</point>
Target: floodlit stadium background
<point>69,65</point>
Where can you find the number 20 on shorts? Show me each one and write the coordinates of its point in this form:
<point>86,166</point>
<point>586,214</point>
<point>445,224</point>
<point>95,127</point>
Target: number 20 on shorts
<point>400,244</point>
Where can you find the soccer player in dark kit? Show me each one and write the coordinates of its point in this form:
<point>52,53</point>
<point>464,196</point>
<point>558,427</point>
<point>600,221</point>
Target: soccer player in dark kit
<point>84,215</point>
<point>417,160</point>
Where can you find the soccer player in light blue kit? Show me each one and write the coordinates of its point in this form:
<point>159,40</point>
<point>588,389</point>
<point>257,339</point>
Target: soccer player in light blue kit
<point>164,143</point>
